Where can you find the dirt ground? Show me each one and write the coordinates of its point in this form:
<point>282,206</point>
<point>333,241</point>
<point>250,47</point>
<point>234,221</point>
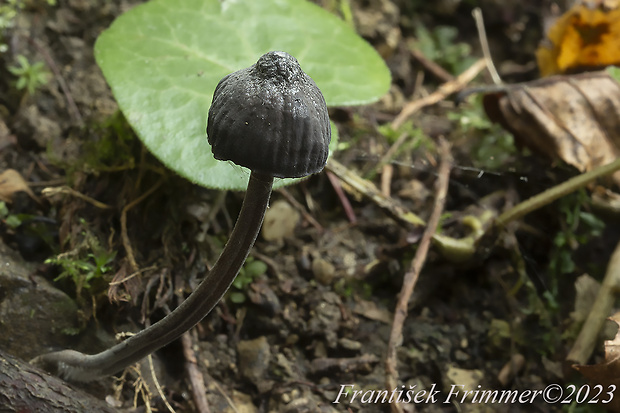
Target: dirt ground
<point>317,315</point>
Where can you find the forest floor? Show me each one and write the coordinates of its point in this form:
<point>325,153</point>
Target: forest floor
<point>313,310</point>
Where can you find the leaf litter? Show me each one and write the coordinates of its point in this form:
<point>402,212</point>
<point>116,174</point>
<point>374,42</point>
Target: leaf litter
<point>312,334</point>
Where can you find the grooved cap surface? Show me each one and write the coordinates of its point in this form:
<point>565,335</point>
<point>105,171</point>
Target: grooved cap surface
<point>270,118</point>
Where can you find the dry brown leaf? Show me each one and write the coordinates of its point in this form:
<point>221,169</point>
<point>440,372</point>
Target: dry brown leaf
<point>573,118</point>
<point>11,182</point>
<point>585,37</point>
<point>607,374</point>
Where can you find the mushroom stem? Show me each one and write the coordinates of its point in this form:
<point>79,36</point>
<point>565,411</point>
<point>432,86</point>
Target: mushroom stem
<point>75,366</point>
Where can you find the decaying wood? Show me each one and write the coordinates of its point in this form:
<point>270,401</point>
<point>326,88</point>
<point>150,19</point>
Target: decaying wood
<point>24,388</point>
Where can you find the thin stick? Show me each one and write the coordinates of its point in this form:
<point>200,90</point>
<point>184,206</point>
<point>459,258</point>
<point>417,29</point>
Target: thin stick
<point>65,190</point>
<point>386,180</point>
<point>484,44</point>
<point>588,336</point>
<point>159,389</point>
<point>367,188</point>
<point>411,277</point>
<point>437,71</point>
<point>129,277</point>
<point>391,152</point>
<point>297,205</point>
<point>196,379</point>
<point>223,393</point>
<point>74,112</point>
<point>124,236</point>
<point>343,198</point>
<point>440,94</point>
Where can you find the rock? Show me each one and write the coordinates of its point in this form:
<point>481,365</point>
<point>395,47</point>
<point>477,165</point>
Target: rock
<point>325,316</point>
<point>349,344</point>
<point>280,221</point>
<point>34,125</point>
<point>253,360</point>
<point>323,271</point>
<point>34,316</point>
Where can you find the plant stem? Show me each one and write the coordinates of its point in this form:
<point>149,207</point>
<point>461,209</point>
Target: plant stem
<point>558,191</point>
<point>75,366</point>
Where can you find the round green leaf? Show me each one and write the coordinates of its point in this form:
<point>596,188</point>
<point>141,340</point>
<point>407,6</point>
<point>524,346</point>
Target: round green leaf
<point>164,58</point>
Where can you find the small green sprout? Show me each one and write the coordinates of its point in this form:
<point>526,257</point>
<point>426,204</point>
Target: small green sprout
<point>29,76</point>
<point>251,270</point>
<point>11,220</point>
<point>84,264</point>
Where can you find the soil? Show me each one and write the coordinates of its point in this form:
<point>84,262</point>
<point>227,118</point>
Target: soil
<point>319,316</point>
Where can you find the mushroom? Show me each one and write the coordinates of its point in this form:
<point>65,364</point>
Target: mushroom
<point>270,118</point>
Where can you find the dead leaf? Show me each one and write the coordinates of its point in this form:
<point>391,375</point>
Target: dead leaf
<point>586,37</point>
<point>11,182</point>
<point>573,118</point>
<point>370,310</point>
<point>607,373</point>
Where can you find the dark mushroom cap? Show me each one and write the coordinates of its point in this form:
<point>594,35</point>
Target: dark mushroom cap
<point>270,118</point>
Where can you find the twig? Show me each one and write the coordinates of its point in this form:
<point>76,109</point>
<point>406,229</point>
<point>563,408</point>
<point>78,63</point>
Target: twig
<point>588,336</point>
<point>49,192</point>
<point>74,112</point>
<point>368,189</point>
<point>343,199</point>
<point>196,379</point>
<point>391,152</point>
<point>484,44</point>
<point>437,71</point>
<point>223,393</point>
<point>386,179</point>
<point>159,389</point>
<point>129,277</point>
<point>411,277</point>
<point>307,216</point>
<point>126,243</point>
<point>440,94</point>
<point>216,206</point>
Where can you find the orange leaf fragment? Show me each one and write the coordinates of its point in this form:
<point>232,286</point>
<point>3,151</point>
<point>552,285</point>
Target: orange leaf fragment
<point>586,37</point>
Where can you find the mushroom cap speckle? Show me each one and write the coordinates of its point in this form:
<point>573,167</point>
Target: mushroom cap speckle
<point>271,118</point>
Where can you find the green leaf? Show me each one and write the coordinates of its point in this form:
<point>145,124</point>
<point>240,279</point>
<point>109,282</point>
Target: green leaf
<point>255,269</point>
<point>164,58</point>
<point>614,72</point>
<point>237,297</point>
